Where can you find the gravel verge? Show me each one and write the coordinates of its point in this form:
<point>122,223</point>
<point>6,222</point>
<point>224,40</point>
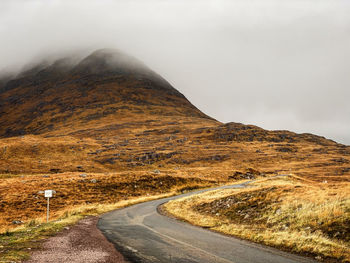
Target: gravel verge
<point>82,242</point>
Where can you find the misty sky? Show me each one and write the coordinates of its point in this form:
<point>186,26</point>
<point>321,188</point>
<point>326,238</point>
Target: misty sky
<point>277,64</point>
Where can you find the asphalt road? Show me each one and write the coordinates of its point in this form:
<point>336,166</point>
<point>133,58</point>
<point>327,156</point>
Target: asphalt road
<point>141,234</point>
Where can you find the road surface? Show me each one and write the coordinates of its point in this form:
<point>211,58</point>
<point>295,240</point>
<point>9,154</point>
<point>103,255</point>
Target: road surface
<point>141,234</point>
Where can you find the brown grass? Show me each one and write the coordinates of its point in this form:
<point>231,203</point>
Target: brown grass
<point>292,214</point>
<point>119,129</point>
<point>16,245</point>
<point>24,202</point>
<point>121,156</point>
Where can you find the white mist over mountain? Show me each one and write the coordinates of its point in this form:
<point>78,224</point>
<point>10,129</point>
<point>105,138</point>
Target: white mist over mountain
<point>275,63</point>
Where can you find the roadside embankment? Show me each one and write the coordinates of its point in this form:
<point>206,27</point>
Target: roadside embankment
<point>285,212</point>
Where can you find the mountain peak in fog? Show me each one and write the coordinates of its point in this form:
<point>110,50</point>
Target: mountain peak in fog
<point>110,60</point>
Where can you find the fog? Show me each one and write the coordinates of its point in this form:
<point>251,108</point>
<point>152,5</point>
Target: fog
<point>277,64</point>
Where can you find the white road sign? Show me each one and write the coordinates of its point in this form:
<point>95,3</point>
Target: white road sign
<point>48,193</point>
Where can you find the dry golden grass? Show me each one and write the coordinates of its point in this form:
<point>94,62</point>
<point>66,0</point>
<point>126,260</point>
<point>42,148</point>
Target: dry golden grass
<point>119,129</point>
<point>22,201</point>
<point>122,155</point>
<point>145,141</point>
<point>288,213</point>
<point>14,244</point>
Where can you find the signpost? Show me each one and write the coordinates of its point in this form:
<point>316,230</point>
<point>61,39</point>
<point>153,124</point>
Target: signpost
<point>48,194</point>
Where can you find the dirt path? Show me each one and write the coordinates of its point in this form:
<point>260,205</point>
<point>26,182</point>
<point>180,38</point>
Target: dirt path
<point>81,243</point>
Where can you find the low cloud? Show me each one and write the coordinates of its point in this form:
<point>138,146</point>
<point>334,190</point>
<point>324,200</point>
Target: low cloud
<point>275,63</point>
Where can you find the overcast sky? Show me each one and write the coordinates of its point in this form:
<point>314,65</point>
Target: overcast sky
<point>278,64</point>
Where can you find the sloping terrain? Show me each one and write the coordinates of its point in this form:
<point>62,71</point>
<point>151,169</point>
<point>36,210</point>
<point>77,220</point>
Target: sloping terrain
<point>287,212</point>
<point>105,128</point>
<point>105,87</point>
<point>109,113</point>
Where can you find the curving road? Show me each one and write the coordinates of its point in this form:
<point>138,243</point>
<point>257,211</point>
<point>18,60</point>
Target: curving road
<point>141,234</point>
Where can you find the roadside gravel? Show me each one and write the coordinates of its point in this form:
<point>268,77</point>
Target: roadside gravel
<point>82,242</point>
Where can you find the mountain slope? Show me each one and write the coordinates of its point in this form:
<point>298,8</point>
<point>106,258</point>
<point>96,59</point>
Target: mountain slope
<point>104,129</point>
<point>67,95</point>
<point>110,111</point>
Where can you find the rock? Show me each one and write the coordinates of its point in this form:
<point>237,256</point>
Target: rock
<point>246,216</point>
<point>83,175</point>
<point>285,149</point>
<point>278,211</point>
<point>318,258</point>
<point>156,171</point>
<point>45,176</point>
<point>17,222</point>
<point>340,160</point>
<point>93,181</point>
<point>80,168</point>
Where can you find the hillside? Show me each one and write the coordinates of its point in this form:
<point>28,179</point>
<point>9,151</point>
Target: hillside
<point>106,128</point>
<point>69,96</point>
<point>109,111</point>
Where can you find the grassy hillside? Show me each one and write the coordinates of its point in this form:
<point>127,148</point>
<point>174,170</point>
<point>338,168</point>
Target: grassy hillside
<point>289,213</point>
<point>106,128</point>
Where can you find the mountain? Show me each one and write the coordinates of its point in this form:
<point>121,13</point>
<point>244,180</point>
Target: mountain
<point>69,94</point>
<point>104,129</point>
<point>109,111</point>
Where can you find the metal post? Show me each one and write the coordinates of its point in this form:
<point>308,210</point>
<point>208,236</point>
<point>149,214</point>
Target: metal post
<point>48,210</point>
